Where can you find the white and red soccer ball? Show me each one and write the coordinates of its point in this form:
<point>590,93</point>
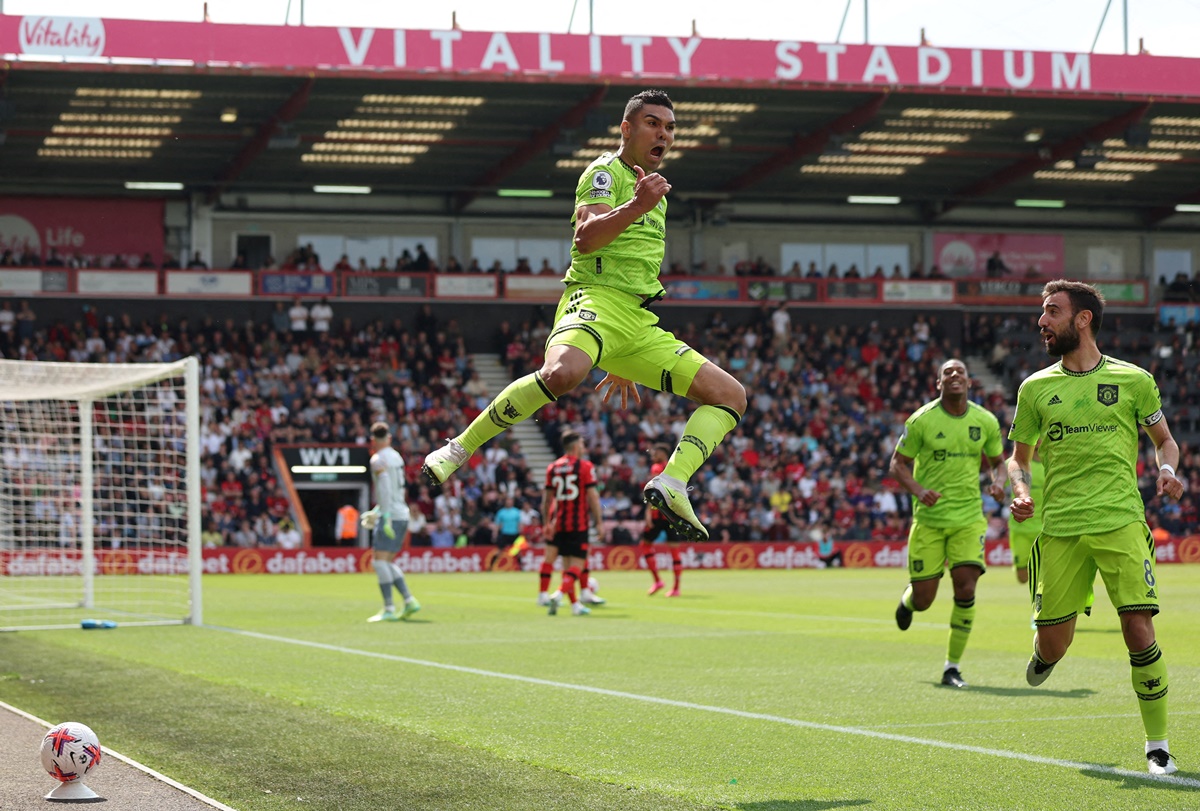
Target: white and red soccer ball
<point>70,751</point>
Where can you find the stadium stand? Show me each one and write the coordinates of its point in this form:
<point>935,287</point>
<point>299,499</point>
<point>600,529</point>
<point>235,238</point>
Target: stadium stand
<point>808,462</point>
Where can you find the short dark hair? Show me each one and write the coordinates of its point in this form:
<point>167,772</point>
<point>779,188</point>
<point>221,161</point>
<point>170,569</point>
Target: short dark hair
<point>655,97</point>
<point>1082,295</point>
<point>570,437</point>
<point>380,430</point>
<point>662,446</point>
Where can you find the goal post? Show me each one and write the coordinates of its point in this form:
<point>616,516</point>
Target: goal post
<point>100,504</point>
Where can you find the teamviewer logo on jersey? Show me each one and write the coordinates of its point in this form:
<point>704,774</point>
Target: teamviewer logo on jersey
<point>1107,393</point>
<point>1056,432</point>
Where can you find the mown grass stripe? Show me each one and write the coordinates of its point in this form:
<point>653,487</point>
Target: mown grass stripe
<point>688,705</point>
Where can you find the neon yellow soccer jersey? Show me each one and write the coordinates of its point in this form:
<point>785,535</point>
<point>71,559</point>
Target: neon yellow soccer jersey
<point>632,261</point>
<point>947,450</point>
<point>1087,423</point>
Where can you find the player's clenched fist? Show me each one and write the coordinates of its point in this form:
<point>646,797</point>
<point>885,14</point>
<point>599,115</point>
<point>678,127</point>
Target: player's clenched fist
<point>1021,509</point>
<point>650,188</point>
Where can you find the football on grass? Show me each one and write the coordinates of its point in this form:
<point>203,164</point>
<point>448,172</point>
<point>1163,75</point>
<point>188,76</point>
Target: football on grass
<point>70,751</point>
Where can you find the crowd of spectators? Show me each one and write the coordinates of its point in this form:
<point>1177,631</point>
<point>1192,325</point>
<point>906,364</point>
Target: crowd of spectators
<point>808,461</point>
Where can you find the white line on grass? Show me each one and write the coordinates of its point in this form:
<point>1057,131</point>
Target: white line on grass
<point>220,806</point>
<point>615,638</point>
<point>755,716</point>
<point>726,612</point>
<point>1023,720</point>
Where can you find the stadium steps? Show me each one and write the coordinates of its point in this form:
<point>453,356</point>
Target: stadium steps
<point>983,377</point>
<point>538,453</point>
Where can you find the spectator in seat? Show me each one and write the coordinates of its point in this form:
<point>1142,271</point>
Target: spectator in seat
<point>197,263</point>
<point>147,262</point>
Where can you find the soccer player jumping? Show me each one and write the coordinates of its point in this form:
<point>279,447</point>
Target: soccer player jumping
<point>604,318</point>
<point>1085,411</point>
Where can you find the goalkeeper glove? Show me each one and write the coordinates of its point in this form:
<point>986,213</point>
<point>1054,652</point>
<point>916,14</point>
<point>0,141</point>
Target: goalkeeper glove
<point>370,518</point>
<point>388,529</point>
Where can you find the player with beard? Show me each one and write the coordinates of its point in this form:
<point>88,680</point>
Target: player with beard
<point>604,318</point>
<point>937,460</point>
<point>1083,414</point>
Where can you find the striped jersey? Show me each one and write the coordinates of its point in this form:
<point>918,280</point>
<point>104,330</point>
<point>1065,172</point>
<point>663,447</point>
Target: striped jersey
<point>632,261</point>
<point>569,478</point>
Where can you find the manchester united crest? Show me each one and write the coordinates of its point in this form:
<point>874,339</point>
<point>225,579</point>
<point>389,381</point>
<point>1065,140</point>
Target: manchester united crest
<point>1107,393</point>
<point>975,433</point>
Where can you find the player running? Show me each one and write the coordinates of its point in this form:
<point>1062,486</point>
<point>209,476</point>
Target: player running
<point>604,318</point>
<point>937,460</point>
<point>1083,414</point>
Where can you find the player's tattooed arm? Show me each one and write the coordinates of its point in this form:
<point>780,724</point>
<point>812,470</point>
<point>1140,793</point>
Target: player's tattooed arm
<point>1021,478</point>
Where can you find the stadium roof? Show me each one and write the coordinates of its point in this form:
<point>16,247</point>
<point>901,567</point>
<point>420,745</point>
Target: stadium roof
<point>447,140</point>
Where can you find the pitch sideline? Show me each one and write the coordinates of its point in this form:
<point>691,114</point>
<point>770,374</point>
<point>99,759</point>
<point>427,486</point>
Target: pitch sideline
<point>688,705</point>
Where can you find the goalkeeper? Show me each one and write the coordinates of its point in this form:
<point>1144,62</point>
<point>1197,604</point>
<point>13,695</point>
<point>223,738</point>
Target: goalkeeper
<point>387,522</point>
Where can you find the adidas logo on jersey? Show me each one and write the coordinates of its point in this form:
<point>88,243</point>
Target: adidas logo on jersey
<point>1054,401</point>
<point>941,435</point>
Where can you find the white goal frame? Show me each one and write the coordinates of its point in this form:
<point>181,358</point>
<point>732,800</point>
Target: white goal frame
<point>50,583</point>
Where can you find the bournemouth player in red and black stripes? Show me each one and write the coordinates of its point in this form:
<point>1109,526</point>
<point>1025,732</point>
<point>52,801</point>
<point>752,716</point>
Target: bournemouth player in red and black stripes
<point>568,502</point>
<point>656,525</point>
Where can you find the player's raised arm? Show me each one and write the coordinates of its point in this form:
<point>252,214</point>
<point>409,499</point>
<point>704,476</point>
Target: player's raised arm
<point>1019,474</point>
<point>1166,452</point>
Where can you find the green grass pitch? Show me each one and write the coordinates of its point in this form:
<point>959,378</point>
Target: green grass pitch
<point>755,690</point>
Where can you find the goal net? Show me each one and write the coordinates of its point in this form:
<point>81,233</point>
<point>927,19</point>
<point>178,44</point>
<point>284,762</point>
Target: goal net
<point>99,494</point>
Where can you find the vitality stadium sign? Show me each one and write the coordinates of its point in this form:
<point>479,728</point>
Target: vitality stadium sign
<point>578,57</point>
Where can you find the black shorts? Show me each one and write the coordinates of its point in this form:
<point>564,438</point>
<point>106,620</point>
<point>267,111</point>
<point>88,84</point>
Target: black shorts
<point>570,544</point>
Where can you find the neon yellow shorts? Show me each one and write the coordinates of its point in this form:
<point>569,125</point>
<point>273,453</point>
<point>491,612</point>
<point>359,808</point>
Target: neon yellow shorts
<point>1062,570</point>
<point>1020,541</point>
<point>930,549</point>
<point>623,337</point>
